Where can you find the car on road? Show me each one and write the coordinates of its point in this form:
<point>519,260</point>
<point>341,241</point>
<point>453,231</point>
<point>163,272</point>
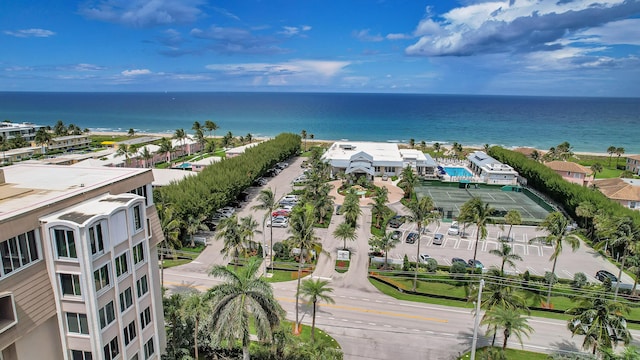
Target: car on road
<point>604,274</point>
<point>458,260</point>
<point>424,258</point>
<point>396,221</point>
<point>412,237</point>
<point>437,239</point>
<point>396,234</point>
<point>454,229</point>
<point>278,221</point>
<point>280,212</point>
<point>475,263</point>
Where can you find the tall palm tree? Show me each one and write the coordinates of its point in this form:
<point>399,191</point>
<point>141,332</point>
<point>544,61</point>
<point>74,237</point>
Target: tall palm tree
<point>180,135</point>
<point>195,307</point>
<point>59,129</point>
<point>323,204</point>
<point>409,182</point>
<point>379,208</point>
<point>303,134</point>
<point>510,320</point>
<point>588,211</point>
<point>601,321</point>
<point>421,212</point>
<point>556,225</point>
<point>351,208</point>
<point>248,229</point>
<point>304,238</point>
<point>507,256</point>
<point>195,224</point>
<point>211,126</point>
<point>43,138</point>
<point>315,290</point>
<point>611,150</point>
<point>170,229</point>
<point>596,168</point>
<point>267,201</point>
<point>128,151</point>
<point>512,217</point>
<point>131,132</point>
<point>620,232</point>
<point>146,155</point>
<point>165,147</point>
<point>385,243</point>
<point>242,301</point>
<point>230,231</point>
<point>479,214</point>
<point>619,152</point>
<point>345,231</point>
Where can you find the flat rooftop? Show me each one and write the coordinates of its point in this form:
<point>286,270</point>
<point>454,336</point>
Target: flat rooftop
<point>380,151</point>
<point>31,186</point>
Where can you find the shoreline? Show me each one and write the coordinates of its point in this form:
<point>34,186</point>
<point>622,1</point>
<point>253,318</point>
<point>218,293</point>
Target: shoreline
<point>446,146</point>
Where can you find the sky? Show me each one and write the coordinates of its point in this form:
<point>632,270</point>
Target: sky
<point>512,47</point>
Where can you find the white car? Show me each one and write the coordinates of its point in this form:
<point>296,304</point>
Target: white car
<point>424,258</point>
<point>278,221</point>
<point>454,229</point>
<point>290,198</point>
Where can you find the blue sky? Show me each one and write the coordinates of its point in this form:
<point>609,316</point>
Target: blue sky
<point>516,47</point>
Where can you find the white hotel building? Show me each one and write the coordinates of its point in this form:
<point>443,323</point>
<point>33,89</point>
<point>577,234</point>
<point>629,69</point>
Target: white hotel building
<point>376,159</point>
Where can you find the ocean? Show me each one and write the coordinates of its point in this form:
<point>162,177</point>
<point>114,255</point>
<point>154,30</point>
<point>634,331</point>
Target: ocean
<point>588,124</point>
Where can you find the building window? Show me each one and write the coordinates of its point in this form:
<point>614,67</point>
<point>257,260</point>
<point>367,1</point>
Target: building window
<point>101,277</point>
<point>111,350</point>
<point>138,253</point>
<point>70,284</point>
<point>142,285</point>
<point>77,323</point>
<point>142,191</point>
<point>148,349</point>
<point>126,299</point>
<point>107,315</point>
<point>376,169</point>
<point>129,332</point>
<point>96,238</point>
<point>18,252</point>
<point>137,218</point>
<point>122,265</point>
<point>65,243</point>
<point>145,317</point>
<point>81,355</point>
<point>134,357</point>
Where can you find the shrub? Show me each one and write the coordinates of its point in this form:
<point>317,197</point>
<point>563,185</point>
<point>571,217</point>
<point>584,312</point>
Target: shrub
<point>432,265</point>
<point>579,279</point>
<point>550,277</point>
<point>406,266</point>
<point>458,268</point>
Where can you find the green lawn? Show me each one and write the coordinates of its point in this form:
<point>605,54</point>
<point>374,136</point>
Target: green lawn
<point>171,263</point>
<point>280,276</point>
<point>514,354</point>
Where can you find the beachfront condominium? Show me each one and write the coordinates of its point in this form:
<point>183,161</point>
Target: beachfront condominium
<point>79,276</point>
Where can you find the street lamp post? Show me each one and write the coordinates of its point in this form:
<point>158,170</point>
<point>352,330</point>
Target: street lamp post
<point>477,322</point>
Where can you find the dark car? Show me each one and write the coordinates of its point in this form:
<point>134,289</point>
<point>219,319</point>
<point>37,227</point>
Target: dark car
<point>458,260</point>
<point>475,263</point>
<point>396,221</point>
<point>603,274</point>
<point>412,238</point>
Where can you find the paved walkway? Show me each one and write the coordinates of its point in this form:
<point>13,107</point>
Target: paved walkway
<point>395,193</point>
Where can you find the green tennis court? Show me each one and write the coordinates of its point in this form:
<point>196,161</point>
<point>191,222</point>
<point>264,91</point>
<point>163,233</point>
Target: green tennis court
<point>449,197</point>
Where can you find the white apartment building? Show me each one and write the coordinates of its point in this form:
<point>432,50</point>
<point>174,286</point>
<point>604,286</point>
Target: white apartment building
<point>490,170</point>
<point>9,130</point>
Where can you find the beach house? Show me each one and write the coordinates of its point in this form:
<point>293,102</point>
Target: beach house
<point>490,170</point>
<point>27,131</point>
<point>624,191</point>
<point>633,164</point>
<point>79,276</point>
<point>376,159</point>
<point>572,172</point>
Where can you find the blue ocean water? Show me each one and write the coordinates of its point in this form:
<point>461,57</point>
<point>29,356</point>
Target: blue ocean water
<point>589,124</point>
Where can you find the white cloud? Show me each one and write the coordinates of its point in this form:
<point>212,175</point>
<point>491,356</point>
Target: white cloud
<point>294,67</point>
<point>398,36</point>
<point>136,72</point>
<point>294,30</point>
<point>618,32</point>
<point>363,35</point>
<point>24,33</point>
<point>143,13</point>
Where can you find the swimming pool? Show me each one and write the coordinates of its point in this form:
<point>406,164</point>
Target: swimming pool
<point>457,171</point>
<point>184,166</point>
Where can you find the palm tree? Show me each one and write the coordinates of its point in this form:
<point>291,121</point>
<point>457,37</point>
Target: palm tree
<point>587,210</point>
<point>242,301</point>
<point>248,228</point>
<point>323,204</point>
<point>303,133</point>
<point>409,182</point>
<point>601,321</point>
<point>42,138</point>
<point>351,208</point>
<point>510,320</point>
<point>512,217</point>
<point>385,243</point>
<point>345,232</point>
<point>165,148</point>
<point>146,155</point>
<point>128,151</point>
<point>302,237</point>
<point>314,291</point>
<point>180,135</point>
<point>131,132</point>
<point>379,208</point>
<point>230,230</point>
<point>596,168</point>
<point>195,307</point>
<point>508,257</point>
<point>620,233</point>
<point>195,224</point>
<point>420,212</point>
<point>535,155</point>
<point>436,147</point>
<point>611,150</point>
<point>211,126</point>
<point>619,152</point>
<point>478,213</point>
<point>170,229</point>
<point>267,201</point>
<point>556,224</point>
<point>412,143</point>
<point>59,129</point>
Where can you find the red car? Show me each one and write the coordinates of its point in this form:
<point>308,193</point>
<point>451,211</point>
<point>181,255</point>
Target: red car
<point>280,212</point>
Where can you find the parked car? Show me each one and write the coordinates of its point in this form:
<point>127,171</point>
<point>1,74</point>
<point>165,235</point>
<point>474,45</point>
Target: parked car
<point>603,274</point>
<point>290,198</point>
<point>385,177</point>
<point>396,234</point>
<point>226,211</point>
<point>280,212</point>
<point>412,237</point>
<point>424,258</point>
<point>454,229</point>
<point>477,264</point>
<point>437,239</point>
<point>278,221</point>
<point>396,221</point>
<point>458,260</point>
<point>260,182</point>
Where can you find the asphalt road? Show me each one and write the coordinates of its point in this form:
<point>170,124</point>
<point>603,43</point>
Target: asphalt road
<point>371,325</point>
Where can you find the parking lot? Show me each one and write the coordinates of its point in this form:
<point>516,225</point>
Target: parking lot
<point>525,242</point>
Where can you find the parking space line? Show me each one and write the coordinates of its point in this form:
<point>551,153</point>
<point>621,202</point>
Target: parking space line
<point>536,248</point>
<point>569,274</point>
<point>533,271</point>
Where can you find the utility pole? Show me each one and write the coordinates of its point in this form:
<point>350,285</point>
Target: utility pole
<point>476,322</point>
